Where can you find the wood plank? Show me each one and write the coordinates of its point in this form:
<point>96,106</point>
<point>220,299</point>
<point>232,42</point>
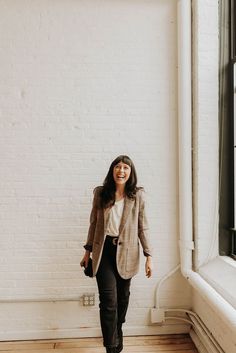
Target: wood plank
<point>130,349</point>
<point>129,341</point>
<point>93,342</point>
<point>143,344</point>
<point>138,348</point>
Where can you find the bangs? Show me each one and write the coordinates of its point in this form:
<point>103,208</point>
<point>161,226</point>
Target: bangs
<point>122,158</point>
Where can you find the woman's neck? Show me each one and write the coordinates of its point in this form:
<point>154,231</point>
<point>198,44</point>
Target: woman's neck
<point>120,192</point>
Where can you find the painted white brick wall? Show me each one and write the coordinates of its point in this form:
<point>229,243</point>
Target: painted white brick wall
<point>81,82</point>
<point>205,152</point>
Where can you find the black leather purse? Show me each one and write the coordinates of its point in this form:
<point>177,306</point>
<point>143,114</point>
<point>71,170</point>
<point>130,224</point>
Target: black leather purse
<point>88,271</point>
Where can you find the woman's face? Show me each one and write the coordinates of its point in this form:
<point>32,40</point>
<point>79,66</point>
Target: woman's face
<point>121,173</point>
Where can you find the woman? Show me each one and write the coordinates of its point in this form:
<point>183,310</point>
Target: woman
<point>117,224</point>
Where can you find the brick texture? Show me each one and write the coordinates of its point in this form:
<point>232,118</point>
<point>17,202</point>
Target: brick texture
<point>82,82</point>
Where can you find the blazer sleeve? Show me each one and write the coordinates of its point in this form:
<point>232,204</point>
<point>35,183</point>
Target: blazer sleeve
<point>93,222</point>
<point>143,229</point>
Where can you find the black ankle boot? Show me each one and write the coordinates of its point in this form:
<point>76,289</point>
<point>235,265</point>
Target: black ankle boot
<point>111,349</point>
<point>119,348</point>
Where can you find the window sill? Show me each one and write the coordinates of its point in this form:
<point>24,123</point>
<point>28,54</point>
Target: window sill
<point>220,273</point>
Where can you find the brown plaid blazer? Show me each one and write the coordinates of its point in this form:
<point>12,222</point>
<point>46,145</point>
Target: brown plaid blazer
<point>133,231</point>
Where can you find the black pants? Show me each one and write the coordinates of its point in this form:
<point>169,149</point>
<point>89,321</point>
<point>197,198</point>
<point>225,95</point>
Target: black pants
<point>113,294</point>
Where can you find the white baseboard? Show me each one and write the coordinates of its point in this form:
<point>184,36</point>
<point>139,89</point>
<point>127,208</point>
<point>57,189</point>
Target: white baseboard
<point>202,342</point>
<point>196,340</point>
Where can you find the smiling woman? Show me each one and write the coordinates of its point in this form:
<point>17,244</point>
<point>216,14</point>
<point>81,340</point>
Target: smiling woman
<point>113,239</point>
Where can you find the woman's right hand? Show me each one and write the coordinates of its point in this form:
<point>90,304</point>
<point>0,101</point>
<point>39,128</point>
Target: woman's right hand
<point>85,259</point>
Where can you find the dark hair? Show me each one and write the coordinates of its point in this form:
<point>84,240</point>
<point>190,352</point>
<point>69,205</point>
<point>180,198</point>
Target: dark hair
<point>107,194</point>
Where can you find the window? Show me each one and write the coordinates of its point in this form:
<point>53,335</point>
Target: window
<point>233,93</point>
<point>227,177</point>
<point>233,234</point>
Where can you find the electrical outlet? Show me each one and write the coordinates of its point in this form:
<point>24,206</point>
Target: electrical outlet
<point>88,299</point>
<point>157,316</point>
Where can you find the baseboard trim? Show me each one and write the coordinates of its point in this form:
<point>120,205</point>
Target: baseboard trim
<point>200,347</point>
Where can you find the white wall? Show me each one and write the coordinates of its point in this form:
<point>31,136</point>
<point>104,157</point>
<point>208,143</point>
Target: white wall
<point>205,129</point>
<point>81,82</point>
<point>206,163</point>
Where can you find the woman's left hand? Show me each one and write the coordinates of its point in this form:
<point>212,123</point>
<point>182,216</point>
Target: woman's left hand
<point>148,266</point>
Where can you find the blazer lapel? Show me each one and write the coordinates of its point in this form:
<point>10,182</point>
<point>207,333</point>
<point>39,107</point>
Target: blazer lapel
<point>127,208</point>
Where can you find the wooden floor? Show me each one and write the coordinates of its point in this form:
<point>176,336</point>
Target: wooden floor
<point>142,344</point>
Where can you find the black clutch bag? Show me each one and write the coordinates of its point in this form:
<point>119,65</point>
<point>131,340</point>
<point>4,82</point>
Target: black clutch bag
<point>88,271</point>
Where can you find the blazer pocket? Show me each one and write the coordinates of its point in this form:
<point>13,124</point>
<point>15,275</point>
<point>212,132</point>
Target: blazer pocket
<point>132,257</point>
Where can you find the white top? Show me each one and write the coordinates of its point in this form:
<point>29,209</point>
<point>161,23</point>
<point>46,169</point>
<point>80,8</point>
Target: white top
<point>114,217</point>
